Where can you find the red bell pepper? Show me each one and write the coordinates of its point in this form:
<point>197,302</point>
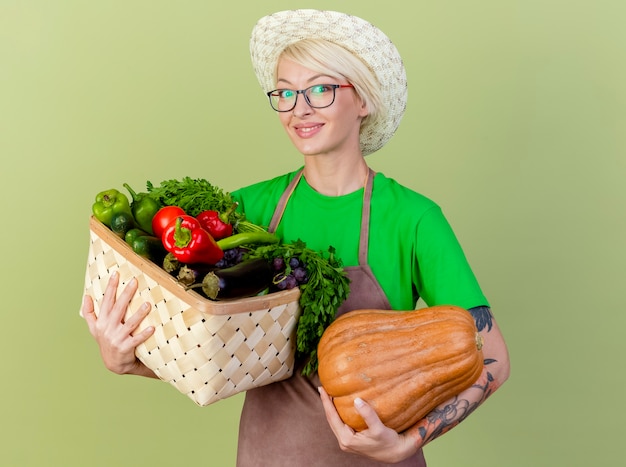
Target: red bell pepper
<point>218,225</point>
<point>190,243</point>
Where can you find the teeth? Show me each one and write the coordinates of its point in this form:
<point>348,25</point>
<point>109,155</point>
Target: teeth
<point>307,129</point>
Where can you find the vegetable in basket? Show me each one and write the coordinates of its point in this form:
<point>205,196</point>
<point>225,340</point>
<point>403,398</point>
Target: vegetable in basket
<point>218,225</point>
<point>250,277</point>
<point>189,274</point>
<point>195,195</point>
<point>110,202</point>
<point>190,243</point>
<point>132,234</point>
<point>324,288</point>
<point>164,217</point>
<point>143,208</point>
<point>171,264</point>
<point>260,237</point>
<point>149,247</point>
<point>121,223</point>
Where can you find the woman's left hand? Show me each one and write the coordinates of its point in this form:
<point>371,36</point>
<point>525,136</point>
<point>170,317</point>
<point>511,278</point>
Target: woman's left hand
<point>377,442</point>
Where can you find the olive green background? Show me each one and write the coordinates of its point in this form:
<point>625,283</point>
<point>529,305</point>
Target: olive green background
<point>516,125</point>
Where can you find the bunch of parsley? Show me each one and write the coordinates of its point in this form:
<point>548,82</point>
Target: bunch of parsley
<point>194,195</point>
<point>326,289</point>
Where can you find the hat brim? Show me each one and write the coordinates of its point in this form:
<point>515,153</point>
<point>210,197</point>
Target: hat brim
<point>273,33</point>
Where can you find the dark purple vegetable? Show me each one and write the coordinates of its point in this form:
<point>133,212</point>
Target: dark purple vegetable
<point>232,257</point>
<point>249,277</point>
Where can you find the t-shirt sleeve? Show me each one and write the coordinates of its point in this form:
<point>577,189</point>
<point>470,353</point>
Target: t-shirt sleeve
<point>443,274</point>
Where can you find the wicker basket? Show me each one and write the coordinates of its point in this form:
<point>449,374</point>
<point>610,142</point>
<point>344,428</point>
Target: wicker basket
<point>208,350</point>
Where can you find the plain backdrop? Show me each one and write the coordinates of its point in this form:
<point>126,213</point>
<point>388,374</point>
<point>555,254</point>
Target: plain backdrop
<point>516,126</point>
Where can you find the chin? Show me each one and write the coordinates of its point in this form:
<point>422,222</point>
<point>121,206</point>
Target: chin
<point>308,150</point>
<point>310,153</point>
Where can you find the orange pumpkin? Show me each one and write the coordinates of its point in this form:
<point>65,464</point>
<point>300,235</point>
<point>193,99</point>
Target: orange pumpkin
<point>404,364</point>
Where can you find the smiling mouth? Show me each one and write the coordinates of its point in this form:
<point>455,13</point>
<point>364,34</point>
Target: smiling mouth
<point>306,130</point>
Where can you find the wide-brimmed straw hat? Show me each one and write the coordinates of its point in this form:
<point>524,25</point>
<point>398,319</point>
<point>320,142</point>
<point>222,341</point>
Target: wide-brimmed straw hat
<point>273,33</point>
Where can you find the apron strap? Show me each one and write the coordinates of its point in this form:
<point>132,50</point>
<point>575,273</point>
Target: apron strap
<point>282,202</point>
<point>365,216</point>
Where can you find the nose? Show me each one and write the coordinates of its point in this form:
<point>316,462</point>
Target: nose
<point>302,107</point>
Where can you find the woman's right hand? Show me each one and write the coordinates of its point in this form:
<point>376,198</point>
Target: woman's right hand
<point>114,335</point>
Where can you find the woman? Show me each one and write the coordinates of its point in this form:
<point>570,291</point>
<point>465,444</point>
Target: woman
<point>339,87</point>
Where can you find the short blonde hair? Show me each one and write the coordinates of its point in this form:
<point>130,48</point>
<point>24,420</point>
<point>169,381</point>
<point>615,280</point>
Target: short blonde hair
<point>333,60</point>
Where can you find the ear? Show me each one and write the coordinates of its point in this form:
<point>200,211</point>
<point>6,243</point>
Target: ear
<point>363,111</point>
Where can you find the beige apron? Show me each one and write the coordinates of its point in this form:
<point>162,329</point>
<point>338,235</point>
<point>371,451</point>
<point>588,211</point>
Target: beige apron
<point>283,424</point>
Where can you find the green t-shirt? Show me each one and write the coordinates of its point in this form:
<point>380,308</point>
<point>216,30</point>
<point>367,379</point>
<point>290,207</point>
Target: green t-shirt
<point>413,251</point>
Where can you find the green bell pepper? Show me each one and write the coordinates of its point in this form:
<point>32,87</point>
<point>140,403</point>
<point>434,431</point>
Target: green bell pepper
<point>109,202</point>
<point>144,208</point>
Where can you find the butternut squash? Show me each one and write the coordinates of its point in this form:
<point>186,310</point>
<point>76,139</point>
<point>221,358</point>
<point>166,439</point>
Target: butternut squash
<point>404,364</point>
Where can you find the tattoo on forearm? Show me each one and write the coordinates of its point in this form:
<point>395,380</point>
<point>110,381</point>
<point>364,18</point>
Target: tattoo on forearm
<point>441,420</point>
<point>483,317</point>
<point>444,419</point>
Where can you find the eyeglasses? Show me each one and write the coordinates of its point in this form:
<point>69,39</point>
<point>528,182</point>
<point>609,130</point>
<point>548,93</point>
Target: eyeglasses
<point>317,96</point>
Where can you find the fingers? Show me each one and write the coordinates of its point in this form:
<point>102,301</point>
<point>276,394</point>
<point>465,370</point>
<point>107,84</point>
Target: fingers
<point>368,414</point>
<point>115,308</point>
<point>88,313</point>
<point>329,408</point>
<point>122,302</point>
<point>142,336</point>
<point>366,411</point>
<point>117,332</point>
<point>111,290</point>
<point>334,420</point>
<point>136,318</point>
<point>86,309</point>
<point>377,441</point>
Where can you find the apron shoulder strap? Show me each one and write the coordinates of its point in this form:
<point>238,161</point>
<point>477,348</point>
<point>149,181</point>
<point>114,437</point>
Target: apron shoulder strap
<point>365,218</point>
<point>282,202</point>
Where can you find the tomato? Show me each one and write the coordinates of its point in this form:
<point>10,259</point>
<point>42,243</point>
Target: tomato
<point>163,217</point>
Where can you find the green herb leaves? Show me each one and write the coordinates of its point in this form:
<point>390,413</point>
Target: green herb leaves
<point>194,195</point>
<point>327,288</point>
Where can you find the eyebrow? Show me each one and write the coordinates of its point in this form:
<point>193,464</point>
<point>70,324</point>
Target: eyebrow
<point>312,78</point>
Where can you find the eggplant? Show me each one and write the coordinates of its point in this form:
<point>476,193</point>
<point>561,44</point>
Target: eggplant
<point>189,274</point>
<point>171,264</point>
<point>248,278</point>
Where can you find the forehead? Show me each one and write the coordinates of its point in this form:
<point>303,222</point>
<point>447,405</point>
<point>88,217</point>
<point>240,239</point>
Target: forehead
<point>291,72</point>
